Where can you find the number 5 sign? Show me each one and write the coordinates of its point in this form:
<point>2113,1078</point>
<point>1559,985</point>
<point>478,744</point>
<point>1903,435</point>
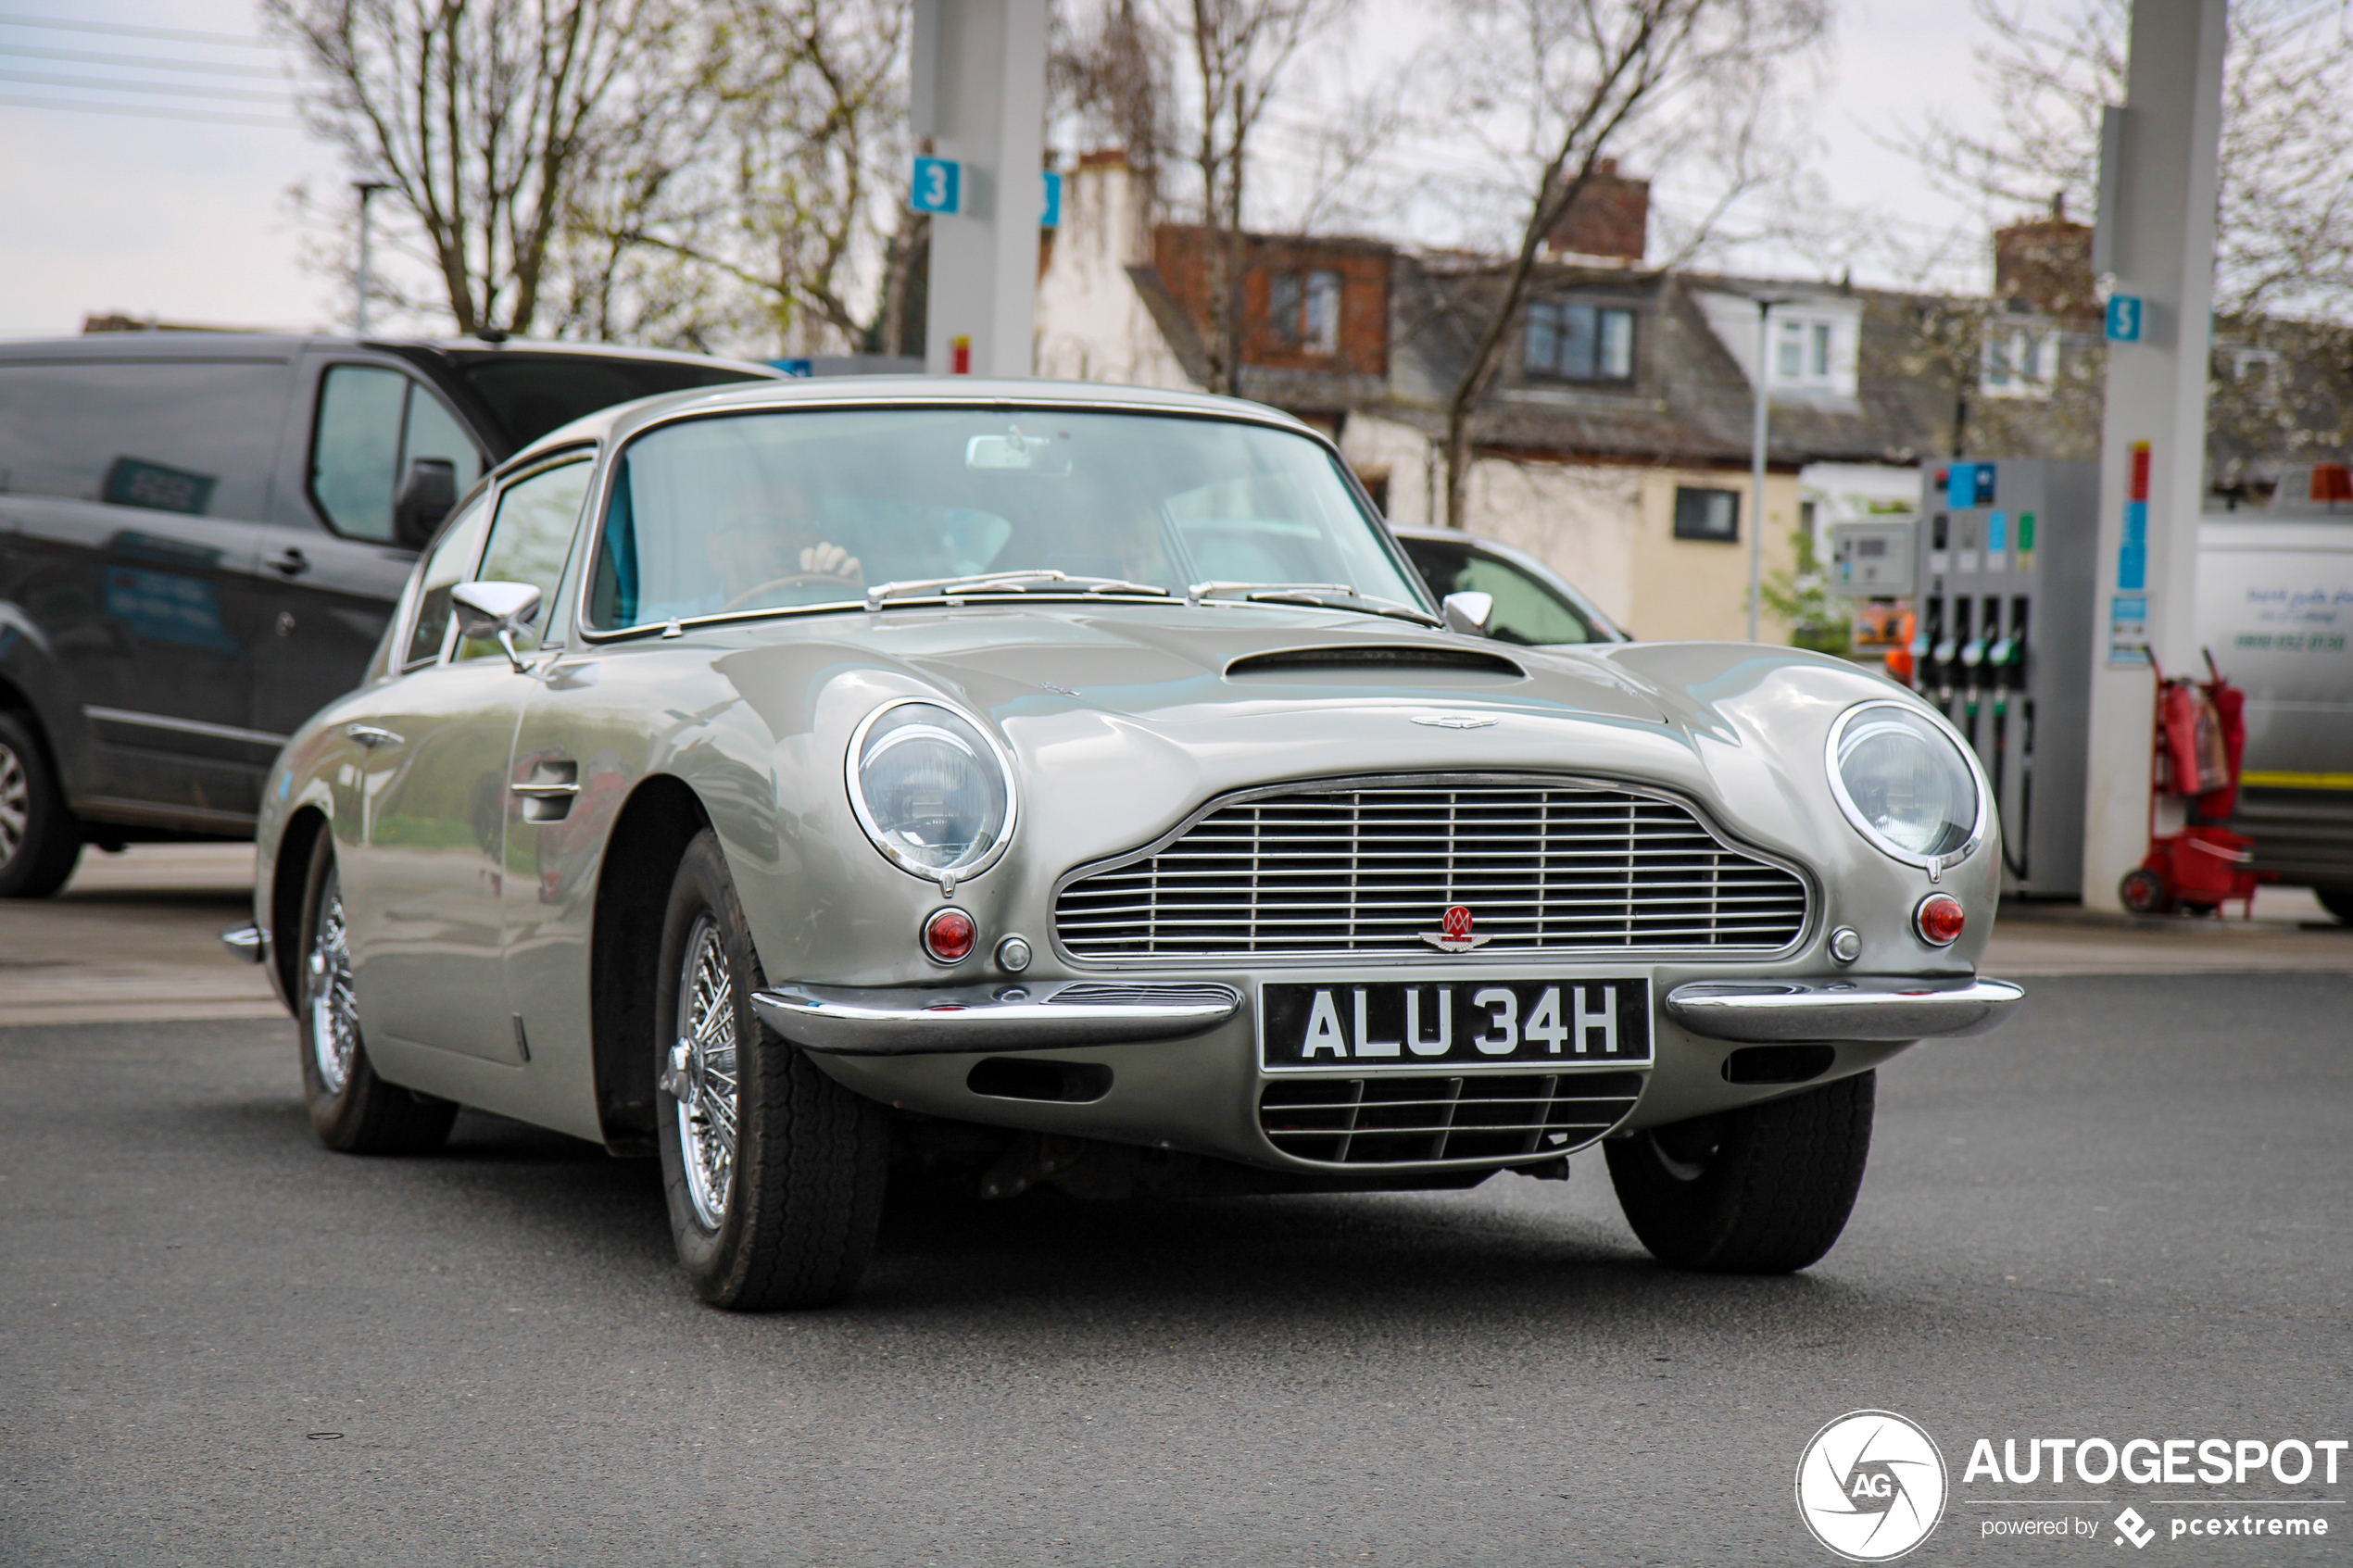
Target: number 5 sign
<point>936,186</point>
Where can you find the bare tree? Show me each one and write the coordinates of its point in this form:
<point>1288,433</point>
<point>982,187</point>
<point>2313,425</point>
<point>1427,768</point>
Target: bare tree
<point>1553,86</point>
<point>2284,240</point>
<point>485,116</point>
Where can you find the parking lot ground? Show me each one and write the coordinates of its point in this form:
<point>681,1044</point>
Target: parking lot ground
<point>133,937</point>
<point>2121,1215</point>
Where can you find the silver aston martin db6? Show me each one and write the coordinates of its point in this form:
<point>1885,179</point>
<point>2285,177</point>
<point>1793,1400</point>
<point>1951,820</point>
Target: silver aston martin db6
<point>990,785</point>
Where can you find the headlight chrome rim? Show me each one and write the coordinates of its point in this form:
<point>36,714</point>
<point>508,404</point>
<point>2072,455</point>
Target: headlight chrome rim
<point>946,877</point>
<point>1935,865</point>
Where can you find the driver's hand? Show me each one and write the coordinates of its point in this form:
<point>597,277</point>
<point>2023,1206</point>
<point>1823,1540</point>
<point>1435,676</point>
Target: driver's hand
<point>827,559</point>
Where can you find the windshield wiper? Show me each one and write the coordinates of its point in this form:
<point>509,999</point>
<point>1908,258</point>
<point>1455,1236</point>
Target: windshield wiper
<point>1005,583</point>
<point>1319,595</point>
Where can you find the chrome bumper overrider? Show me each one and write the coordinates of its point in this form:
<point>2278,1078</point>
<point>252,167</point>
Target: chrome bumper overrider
<point>1860,1008</point>
<point>899,1022</point>
<point>245,942</point>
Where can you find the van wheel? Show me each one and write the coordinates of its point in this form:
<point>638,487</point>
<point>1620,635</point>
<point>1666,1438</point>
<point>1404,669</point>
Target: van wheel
<point>1761,1190</point>
<point>39,839</point>
<point>774,1171</point>
<point>351,1110</point>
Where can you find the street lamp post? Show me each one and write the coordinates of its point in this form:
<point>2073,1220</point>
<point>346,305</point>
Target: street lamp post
<point>366,188</point>
<point>1764,304</point>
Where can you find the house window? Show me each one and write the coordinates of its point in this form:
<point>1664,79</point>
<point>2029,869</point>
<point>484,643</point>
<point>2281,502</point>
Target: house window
<point>2021,361</point>
<point>1583,343</point>
<point>1805,352</point>
<point>1302,309</point>
<point>1713,515</point>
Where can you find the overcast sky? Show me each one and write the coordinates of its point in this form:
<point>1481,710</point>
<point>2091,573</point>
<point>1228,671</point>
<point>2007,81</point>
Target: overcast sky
<point>189,219</point>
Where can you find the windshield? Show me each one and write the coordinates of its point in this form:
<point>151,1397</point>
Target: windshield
<point>765,511</point>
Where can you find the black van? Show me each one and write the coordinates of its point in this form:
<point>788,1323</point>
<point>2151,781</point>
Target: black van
<point>201,538</point>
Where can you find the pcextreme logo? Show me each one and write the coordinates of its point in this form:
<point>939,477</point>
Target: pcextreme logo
<point>1870,1486</point>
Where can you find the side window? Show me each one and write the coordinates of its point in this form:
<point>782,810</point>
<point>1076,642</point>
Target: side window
<point>449,562</point>
<point>531,537</point>
<point>372,424</point>
<point>192,437</point>
<point>1527,612</point>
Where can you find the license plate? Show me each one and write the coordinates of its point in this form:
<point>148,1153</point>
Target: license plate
<point>1467,1023</point>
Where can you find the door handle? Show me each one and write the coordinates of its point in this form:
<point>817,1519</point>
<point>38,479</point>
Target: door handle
<point>289,562</point>
<point>547,794</point>
<point>370,737</point>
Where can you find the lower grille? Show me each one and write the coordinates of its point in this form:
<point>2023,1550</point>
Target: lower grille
<point>1420,1121</point>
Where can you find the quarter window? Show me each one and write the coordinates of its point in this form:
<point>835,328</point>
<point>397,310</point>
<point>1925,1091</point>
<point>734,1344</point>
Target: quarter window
<point>1567,341</point>
<point>449,562</point>
<point>1708,514</point>
<point>374,425</point>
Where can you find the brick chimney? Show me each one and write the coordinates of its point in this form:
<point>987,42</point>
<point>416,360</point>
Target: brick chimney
<point>2044,266</point>
<point>1610,218</point>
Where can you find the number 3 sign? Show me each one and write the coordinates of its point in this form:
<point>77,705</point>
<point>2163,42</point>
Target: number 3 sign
<point>937,185</point>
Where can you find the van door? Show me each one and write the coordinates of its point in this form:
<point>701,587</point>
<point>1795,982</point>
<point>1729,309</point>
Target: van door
<point>332,569</point>
<point>132,488</point>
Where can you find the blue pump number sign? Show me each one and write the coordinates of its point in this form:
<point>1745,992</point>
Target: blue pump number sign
<point>938,186</point>
<point>2124,318</point>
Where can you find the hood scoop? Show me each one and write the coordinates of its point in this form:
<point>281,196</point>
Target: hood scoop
<point>1403,659</point>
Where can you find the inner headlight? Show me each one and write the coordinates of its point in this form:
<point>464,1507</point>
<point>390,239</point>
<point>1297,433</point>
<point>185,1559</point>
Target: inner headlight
<point>930,790</point>
<point>1901,780</point>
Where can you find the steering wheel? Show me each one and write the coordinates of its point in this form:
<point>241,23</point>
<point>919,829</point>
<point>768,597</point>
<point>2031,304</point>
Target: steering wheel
<point>796,580</point>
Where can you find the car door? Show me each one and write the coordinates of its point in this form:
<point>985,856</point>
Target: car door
<point>133,487</point>
<point>331,567</point>
<point>422,887</point>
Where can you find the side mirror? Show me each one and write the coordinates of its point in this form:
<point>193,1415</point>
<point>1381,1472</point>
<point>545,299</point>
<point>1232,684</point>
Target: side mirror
<point>426,499</point>
<point>1469,613</point>
<point>495,610</point>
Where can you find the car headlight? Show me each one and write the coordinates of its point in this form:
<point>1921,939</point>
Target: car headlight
<point>1905,785</point>
<point>931,790</point>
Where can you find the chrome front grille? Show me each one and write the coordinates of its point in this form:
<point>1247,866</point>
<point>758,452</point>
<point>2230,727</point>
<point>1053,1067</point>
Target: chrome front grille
<point>1542,865</point>
<point>1424,1119</point>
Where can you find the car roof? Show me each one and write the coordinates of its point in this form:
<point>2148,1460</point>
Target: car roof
<point>624,419</point>
<point>468,351</point>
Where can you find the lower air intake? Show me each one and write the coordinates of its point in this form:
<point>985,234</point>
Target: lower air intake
<point>1433,1120</point>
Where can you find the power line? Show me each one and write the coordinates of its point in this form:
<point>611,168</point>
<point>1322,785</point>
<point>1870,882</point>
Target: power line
<point>44,78</point>
<point>138,62</point>
<point>156,111</point>
<point>128,30</point>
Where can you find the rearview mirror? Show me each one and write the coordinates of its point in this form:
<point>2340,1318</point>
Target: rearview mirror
<point>1468,612</point>
<point>426,499</point>
<point>501,611</point>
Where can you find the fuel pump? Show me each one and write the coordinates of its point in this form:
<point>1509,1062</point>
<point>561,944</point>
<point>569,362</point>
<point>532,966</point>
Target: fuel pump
<point>2002,646</point>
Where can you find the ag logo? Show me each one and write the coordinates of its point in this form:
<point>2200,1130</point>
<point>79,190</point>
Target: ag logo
<point>1870,1486</point>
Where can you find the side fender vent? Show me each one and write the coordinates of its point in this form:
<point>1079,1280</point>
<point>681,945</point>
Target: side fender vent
<point>1375,659</point>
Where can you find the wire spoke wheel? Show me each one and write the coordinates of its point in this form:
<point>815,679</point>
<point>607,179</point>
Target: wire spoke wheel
<point>15,803</point>
<point>334,1015</point>
<point>702,1072</point>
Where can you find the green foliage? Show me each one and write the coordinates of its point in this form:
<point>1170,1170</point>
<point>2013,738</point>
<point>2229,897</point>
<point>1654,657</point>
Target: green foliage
<point>1817,619</point>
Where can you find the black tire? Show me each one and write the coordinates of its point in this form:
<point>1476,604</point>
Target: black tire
<point>2337,902</point>
<point>792,1221</point>
<point>351,1110</point>
<point>39,841</point>
<point>1761,1190</point>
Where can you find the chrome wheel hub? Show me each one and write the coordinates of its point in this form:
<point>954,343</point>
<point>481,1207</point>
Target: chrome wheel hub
<point>699,1073</point>
<point>334,1016</point>
<point>16,804</point>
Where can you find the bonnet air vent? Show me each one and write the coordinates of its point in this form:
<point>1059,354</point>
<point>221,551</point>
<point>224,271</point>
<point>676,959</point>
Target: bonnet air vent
<point>1373,660</point>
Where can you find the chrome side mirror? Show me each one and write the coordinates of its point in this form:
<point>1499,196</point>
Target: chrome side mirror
<point>495,610</point>
<point>1468,613</point>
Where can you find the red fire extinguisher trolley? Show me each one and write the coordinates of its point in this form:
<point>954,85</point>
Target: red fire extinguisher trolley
<point>2200,737</point>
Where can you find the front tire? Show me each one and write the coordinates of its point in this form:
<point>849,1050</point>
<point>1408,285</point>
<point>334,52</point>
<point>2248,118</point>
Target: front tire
<point>351,1110</point>
<point>774,1173</point>
<point>39,839</point>
<point>1763,1190</point>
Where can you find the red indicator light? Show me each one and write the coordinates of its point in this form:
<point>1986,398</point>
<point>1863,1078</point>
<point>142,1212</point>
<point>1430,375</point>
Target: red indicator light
<point>947,935</point>
<point>1939,920</point>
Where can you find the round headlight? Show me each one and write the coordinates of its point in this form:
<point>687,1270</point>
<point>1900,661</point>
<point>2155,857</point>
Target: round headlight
<point>930,790</point>
<point>1901,780</point>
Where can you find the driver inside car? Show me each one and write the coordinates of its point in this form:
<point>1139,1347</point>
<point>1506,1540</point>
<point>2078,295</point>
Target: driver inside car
<point>775,540</point>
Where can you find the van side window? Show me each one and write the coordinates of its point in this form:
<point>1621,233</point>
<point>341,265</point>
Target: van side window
<point>192,437</point>
<point>530,539</point>
<point>373,424</point>
<point>449,562</point>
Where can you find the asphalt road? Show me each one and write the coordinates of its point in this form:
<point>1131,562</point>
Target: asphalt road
<point>2121,1215</point>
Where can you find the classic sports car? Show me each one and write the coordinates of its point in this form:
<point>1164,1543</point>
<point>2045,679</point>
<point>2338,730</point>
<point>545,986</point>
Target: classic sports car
<point>1006,783</point>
